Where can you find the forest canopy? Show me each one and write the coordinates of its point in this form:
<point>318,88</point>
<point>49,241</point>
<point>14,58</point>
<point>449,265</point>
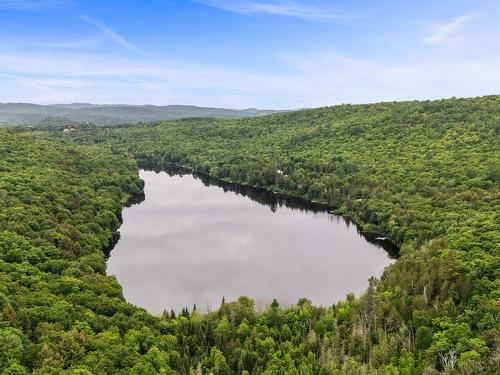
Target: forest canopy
<point>424,174</point>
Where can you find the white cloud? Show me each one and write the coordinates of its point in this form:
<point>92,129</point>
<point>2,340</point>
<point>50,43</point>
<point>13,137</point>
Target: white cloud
<point>281,8</point>
<point>69,44</point>
<point>329,78</point>
<point>112,35</point>
<point>105,34</point>
<point>68,77</point>
<point>312,80</point>
<point>72,73</point>
<point>444,33</point>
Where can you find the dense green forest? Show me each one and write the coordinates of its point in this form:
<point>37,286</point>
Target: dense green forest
<point>424,174</point>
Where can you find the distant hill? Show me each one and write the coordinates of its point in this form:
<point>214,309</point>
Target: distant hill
<point>31,114</point>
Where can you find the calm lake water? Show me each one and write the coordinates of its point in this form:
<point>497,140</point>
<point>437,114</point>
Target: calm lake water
<point>193,242</point>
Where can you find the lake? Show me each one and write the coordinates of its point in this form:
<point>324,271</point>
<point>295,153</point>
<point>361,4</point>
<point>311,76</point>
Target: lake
<point>193,241</point>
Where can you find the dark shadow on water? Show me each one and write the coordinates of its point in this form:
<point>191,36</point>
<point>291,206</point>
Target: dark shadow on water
<point>266,198</point>
<point>115,237</point>
<point>135,199</point>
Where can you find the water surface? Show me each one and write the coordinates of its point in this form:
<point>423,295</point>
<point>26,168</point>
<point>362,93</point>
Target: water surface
<point>191,242</point>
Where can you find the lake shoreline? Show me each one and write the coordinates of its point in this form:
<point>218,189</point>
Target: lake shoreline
<point>242,231</point>
<point>373,237</point>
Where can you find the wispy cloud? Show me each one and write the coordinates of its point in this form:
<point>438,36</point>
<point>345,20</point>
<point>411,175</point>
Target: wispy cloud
<point>72,77</point>
<point>105,33</point>
<point>32,4</point>
<point>75,71</point>
<point>112,35</point>
<point>281,8</point>
<point>69,44</point>
<point>313,79</point>
<point>444,33</point>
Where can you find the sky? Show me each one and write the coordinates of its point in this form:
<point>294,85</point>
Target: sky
<point>268,54</point>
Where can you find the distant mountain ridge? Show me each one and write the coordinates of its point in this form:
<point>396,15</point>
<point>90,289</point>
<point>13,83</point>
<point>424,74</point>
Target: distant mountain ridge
<point>109,114</point>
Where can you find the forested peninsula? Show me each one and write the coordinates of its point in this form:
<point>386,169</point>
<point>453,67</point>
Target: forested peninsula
<point>423,174</point>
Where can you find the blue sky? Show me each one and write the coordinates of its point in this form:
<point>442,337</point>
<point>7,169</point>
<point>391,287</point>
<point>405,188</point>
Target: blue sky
<point>246,53</point>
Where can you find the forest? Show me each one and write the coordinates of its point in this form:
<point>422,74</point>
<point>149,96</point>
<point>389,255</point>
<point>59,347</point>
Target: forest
<point>424,174</point>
